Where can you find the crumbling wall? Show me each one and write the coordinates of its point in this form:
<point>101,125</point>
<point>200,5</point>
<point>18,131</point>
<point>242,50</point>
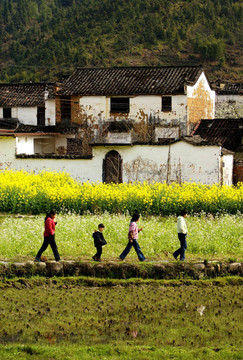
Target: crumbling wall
<point>229,106</point>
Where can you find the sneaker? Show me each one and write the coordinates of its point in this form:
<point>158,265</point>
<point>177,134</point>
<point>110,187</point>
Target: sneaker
<point>59,260</point>
<point>93,257</point>
<point>37,259</point>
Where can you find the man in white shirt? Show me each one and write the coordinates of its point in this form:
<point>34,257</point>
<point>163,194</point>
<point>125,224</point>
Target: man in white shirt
<point>182,233</point>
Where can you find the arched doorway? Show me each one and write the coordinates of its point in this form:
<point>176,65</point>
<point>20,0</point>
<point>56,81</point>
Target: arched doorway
<point>112,167</point>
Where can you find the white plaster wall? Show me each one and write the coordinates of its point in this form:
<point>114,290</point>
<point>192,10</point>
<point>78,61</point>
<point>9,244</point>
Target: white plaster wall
<point>187,162</point>
<point>142,107</point>
<point>94,107</point>
<point>25,145</point>
<point>229,106</point>
<point>167,132</point>
<point>119,138</point>
<point>227,169</point>
<point>50,112</point>
<point>7,152</point>
<point>26,115</point>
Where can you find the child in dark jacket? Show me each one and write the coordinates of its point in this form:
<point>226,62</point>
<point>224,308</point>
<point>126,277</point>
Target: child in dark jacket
<point>99,241</point>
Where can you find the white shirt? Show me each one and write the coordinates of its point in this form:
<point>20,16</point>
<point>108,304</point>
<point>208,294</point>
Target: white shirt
<point>181,225</point>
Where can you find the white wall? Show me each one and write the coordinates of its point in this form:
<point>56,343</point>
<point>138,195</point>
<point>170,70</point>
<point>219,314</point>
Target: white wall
<point>227,165</point>
<point>26,115</point>
<point>50,112</point>
<point>229,106</point>
<point>141,108</point>
<point>187,162</point>
<point>25,145</point>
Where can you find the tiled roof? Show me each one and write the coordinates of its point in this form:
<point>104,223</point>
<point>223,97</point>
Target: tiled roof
<point>230,89</point>
<point>227,132</point>
<point>22,128</point>
<point>130,80</point>
<point>12,95</point>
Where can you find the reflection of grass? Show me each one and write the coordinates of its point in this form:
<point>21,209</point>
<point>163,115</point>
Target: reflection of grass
<point>128,322</point>
<point>209,237</point>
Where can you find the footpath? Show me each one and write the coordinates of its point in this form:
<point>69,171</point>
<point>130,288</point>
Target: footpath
<point>121,270</point>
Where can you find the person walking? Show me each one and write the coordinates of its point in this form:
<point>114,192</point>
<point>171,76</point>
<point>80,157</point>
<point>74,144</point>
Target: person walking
<point>99,241</point>
<point>49,236</point>
<point>133,239</point>
<point>182,234</point>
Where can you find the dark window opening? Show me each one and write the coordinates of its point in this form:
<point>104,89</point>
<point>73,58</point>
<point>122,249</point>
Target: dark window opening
<point>66,110</point>
<point>112,167</point>
<point>7,113</point>
<point>41,116</point>
<point>120,105</point>
<point>74,146</point>
<point>166,103</point>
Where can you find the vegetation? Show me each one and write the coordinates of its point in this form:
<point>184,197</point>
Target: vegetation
<point>23,192</point>
<point>58,320</point>
<point>40,39</point>
<point>217,238</point>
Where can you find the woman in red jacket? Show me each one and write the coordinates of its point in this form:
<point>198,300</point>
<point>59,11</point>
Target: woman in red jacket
<point>49,236</point>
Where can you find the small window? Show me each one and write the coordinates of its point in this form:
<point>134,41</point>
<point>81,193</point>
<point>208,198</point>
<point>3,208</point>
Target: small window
<point>120,105</point>
<point>66,109</point>
<point>7,113</point>
<point>166,103</point>
<point>74,146</point>
<point>41,116</point>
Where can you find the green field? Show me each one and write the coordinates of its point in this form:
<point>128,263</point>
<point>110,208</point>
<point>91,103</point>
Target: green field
<point>209,237</point>
<point>157,320</point>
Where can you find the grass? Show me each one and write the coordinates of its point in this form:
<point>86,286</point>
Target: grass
<point>209,237</point>
<point>150,321</point>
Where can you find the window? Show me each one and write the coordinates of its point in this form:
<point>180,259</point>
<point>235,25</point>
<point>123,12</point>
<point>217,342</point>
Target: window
<point>166,103</point>
<point>119,105</point>
<point>7,113</point>
<point>41,116</point>
<point>66,109</point>
<point>74,146</point>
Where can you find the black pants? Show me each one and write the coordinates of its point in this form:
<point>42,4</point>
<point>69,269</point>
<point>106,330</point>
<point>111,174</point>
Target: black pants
<point>98,253</point>
<point>49,240</point>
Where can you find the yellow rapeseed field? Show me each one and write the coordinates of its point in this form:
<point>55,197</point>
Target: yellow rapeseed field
<point>24,192</point>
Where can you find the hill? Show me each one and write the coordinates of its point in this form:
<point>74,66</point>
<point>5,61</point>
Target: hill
<point>42,39</point>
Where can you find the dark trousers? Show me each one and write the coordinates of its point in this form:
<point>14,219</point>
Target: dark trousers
<point>98,253</point>
<point>49,240</point>
<point>182,249</point>
<point>137,249</point>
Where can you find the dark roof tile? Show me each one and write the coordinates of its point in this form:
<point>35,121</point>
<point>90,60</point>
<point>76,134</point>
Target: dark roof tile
<point>12,95</point>
<point>227,132</point>
<point>130,80</point>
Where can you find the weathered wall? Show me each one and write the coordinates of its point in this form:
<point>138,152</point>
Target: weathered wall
<point>7,152</point>
<point>96,109</point>
<point>229,106</point>
<point>227,169</point>
<point>179,162</point>
<point>50,112</point>
<point>200,102</point>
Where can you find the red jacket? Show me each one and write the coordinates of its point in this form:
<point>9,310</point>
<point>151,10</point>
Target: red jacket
<point>49,227</point>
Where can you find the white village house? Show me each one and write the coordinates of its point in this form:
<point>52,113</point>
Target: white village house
<point>118,124</point>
